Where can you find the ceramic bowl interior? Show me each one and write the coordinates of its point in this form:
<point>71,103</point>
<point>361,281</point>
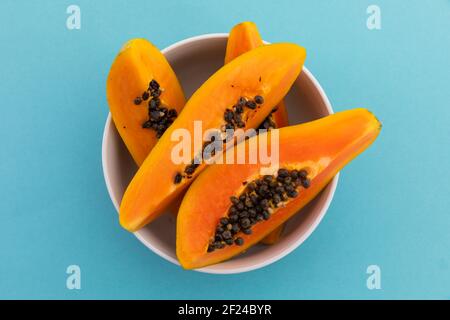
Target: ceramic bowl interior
<point>195,60</point>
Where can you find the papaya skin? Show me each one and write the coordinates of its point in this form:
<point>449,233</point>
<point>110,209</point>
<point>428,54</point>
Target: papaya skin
<point>137,63</point>
<point>268,71</point>
<point>242,38</point>
<point>323,147</point>
<point>274,236</point>
<point>245,37</point>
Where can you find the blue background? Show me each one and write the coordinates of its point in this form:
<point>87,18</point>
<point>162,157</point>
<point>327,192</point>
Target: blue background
<point>392,204</point>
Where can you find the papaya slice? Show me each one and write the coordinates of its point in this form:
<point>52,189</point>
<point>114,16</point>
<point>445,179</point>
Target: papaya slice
<point>266,73</point>
<point>310,155</point>
<point>245,37</point>
<point>144,96</point>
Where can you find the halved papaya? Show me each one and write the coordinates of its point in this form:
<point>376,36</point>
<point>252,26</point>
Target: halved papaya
<point>144,96</point>
<point>264,74</point>
<point>245,37</point>
<point>310,155</point>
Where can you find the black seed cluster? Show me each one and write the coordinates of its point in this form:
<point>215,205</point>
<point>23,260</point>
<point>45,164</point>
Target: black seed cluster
<point>160,116</point>
<point>233,119</point>
<point>190,168</point>
<point>255,204</point>
<point>233,116</point>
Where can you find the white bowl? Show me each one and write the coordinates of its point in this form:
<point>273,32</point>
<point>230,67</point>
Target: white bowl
<point>194,60</point>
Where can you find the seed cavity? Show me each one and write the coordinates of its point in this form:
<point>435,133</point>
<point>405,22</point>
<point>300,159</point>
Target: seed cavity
<point>234,118</point>
<point>259,200</point>
<point>160,117</point>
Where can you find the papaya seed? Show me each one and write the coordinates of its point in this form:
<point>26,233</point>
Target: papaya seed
<point>219,230</point>
<point>226,235</point>
<point>145,95</point>
<point>283,173</point>
<point>241,102</point>
<point>189,169</point>
<point>172,113</point>
<point>234,200</point>
<point>137,100</point>
<point>306,183</point>
<point>259,99</point>
<point>243,214</point>
<point>146,124</point>
<point>178,178</point>
<point>303,174</point>
<point>228,115</point>
<point>250,104</point>
<point>292,194</point>
<point>156,93</point>
<point>245,223</point>
<point>153,85</point>
<point>153,104</point>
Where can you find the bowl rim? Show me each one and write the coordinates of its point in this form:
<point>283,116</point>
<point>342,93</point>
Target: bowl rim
<point>331,187</point>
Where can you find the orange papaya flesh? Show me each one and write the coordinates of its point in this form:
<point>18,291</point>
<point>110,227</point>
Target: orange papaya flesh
<point>321,147</point>
<point>136,65</point>
<point>244,37</point>
<point>268,71</point>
